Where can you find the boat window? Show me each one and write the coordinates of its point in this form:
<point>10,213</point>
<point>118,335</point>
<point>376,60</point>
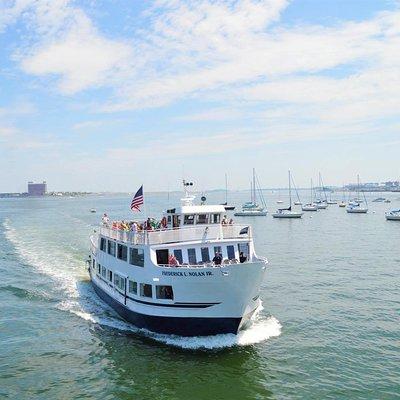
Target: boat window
<point>111,248</point>
<point>202,219</point>
<point>189,219</point>
<point>122,252</point>
<point>164,292</point>
<point>146,290</point>
<point>99,269</point>
<point>192,256</point>
<point>178,255</point>
<point>244,247</point>
<point>136,256</point>
<point>216,218</point>
<point>94,264</point>
<point>162,256</point>
<point>217,249</point>
<point>110,274</point>
<point>132,287</point>
<point>205,254</point>
<point>103,272</point>
<point>231,252</point>
<point>119,282</point>
<point>103,244</point>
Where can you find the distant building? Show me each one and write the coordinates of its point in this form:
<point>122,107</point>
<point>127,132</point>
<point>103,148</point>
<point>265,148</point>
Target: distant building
<point>37,189</point>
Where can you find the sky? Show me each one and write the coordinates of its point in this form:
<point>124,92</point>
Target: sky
<point>107,95</point>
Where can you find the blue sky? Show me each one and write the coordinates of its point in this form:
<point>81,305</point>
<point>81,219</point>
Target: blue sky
<point>106,95</point>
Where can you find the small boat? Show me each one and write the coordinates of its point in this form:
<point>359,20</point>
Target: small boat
<point>393,215</point>
<point>309,207</point>
<point>356,209</point>
<point>330,202</point>
<point>321,204</point>
<point>379,200</point>
<point>387,201</point>
<point>252,208</point>
<point>226,206</point>
<point>287,212</point>
<point>92,210</point>
<point>297,203</point>
<point>355,206</point>
<point>342,204</point>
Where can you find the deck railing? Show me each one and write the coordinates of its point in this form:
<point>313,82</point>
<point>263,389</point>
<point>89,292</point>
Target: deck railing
<point>203,233</point>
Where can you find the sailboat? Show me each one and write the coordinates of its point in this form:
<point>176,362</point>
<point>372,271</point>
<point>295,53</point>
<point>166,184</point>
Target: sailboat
<point>298,201</point>
<point>227,207</point>
<point>311,206</point>
<point>393,215</point>
<point>279,201</point>
<point>252,208</point>
<point>343,202</point>
<point>355,207</point>
<point>321,204</point>
<point>287,212</point>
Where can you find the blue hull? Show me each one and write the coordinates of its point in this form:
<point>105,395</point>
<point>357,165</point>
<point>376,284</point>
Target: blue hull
<point>182,326</point>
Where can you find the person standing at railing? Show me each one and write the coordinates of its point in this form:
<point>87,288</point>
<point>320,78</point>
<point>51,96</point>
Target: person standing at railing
<point>105,220</point>
<point>224,220</point>
<point>217,260</point>
<point>172,261</point>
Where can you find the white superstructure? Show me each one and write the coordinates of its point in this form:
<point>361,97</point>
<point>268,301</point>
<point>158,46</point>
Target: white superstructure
<point>195,274</point>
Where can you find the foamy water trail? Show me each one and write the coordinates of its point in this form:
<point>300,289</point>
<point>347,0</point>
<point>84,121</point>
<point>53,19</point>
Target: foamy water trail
<point>52,259</point>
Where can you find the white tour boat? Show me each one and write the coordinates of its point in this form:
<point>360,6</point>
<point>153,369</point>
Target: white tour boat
<point>287,212</point>
<point>195,276</point>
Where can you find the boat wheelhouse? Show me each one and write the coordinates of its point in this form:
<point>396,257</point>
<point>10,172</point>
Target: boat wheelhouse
<point>194,275</point>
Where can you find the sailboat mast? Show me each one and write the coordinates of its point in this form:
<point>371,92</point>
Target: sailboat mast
<point>290,192</point>
<point>226,188</point>
<point>311,193</point>
<point>254,185</point>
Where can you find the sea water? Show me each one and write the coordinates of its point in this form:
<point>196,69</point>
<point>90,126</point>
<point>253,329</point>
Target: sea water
<point>328,327</point>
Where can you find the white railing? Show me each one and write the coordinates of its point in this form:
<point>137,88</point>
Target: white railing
<point>194,233</point>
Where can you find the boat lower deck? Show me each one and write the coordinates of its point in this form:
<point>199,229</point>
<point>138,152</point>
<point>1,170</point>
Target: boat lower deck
<point>182,326</point>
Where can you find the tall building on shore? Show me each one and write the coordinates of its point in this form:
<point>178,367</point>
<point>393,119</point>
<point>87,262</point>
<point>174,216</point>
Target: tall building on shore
<point>37,189</point>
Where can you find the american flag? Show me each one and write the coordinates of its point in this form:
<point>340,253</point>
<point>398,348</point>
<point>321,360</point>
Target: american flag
<point>137,200</point>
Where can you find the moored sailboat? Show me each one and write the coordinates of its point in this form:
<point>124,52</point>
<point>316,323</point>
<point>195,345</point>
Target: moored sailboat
<point>288,212</point>
<point>311,206</point>
<point>252,208</point>
<point>355,206</point>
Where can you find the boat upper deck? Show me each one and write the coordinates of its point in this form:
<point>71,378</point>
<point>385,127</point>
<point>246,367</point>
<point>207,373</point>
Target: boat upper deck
<point>202,233</point>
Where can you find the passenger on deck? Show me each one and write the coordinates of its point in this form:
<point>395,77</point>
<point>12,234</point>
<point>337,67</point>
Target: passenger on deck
<point>134,227</point>
<point>217,260</point>
<point>224,220</point>
<point>105,220</point>
<point>242,257</point>
<point>172,261</point>
<point>231,221</point>
<point>148,225</point>
<point>164,223</point>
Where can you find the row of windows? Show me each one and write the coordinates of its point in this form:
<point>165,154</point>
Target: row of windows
<point>194,257</point>
<point>136,256</point>
<point>198,219</point>
<point>164,292</point>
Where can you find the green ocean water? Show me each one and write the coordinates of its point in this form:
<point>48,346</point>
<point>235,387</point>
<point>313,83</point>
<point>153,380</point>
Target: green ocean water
<point>329,328</point>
